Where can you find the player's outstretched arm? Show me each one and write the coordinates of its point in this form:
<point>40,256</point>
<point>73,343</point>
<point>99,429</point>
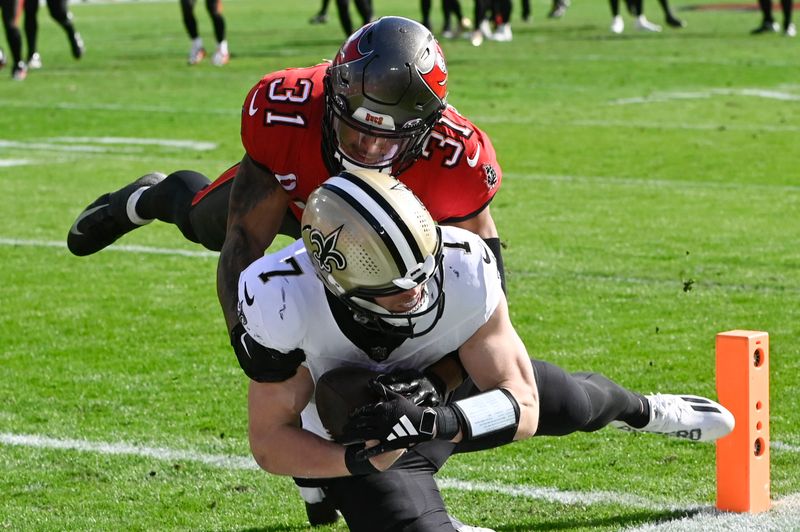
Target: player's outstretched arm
<point>496,358</point>
<point>256,209</point>
<point>506,410</point>
<point>280,446</point>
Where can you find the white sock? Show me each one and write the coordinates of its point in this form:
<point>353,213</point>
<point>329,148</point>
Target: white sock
<point>223,47</point>
<point>197,43</point>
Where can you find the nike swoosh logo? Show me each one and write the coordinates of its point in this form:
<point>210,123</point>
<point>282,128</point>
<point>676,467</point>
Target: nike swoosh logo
<point>486,257</point>
<point>244,344</point>
<point>472,161</point>
<point>253,110</point>
<point>74,229</point>
<point>247,297</point>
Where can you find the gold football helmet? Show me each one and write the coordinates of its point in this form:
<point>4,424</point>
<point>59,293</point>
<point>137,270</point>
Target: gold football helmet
<point>369,236</point>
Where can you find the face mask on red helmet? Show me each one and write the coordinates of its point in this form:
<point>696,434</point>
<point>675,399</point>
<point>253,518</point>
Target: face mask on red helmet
<point>385,90</point>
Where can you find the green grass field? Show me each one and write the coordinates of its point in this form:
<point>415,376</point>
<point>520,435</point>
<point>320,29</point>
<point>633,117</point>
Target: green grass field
<point>650,200</point>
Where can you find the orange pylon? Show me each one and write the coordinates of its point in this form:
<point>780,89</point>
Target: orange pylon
<point>743,481</point>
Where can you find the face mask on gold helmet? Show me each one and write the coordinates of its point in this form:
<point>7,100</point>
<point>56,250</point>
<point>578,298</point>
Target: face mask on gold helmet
<point>369,236</point>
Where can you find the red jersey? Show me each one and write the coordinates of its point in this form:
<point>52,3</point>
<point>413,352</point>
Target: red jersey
<point>456,176</point>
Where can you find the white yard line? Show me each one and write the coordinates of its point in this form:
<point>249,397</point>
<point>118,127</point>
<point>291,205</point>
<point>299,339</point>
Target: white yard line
<point>581,498</point>
<point>105,144</point>
<point>786,511</point>
<point>21,242</point>
<point>783,516</point>
<point>124,108</point>
<point>14,162</point>
<point>768,94</point>
<point>247,463</point>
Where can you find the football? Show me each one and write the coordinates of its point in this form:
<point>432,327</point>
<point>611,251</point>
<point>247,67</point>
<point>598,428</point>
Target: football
<point>339,392</point>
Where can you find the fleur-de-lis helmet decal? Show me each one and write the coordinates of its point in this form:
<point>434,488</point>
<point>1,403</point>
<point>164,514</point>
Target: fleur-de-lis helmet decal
<point>324,250</point>
<point>367,236</point>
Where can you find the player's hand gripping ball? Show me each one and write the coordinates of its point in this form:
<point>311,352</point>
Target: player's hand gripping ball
<point>341,391</point>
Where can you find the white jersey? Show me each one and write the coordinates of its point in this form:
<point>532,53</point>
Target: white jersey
<point>283,306</point>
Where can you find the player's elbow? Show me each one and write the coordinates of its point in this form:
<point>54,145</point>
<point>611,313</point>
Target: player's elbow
<point>264,457</point>
<point>529,414</point>
<point>263,449</point>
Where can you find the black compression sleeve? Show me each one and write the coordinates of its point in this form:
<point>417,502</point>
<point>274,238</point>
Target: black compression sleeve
<point>261,363</point>
<point>495,246</point>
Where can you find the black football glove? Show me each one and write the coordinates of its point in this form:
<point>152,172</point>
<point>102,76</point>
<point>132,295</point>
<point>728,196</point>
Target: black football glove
<point>419,388</point>
<point>398,423</point>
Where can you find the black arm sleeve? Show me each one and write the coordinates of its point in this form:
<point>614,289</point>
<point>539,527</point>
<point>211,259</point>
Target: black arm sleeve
<point>263,364</point>
<point>495,246</point>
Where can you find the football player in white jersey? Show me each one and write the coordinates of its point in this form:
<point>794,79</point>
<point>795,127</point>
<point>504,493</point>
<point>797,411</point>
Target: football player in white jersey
<point>375,283</point>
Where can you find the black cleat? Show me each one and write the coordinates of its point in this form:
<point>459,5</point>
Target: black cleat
<point>76,43</point>
<point>675,22</point>
<point>106,218</point>
<point>766,27</point>
<point>321,513</point>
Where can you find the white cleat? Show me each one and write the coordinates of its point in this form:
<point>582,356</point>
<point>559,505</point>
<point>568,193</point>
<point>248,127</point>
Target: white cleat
<point>485,29</point>
<point>642,24</point>
<point>476,38</point>
<point>35,61</point>
<point>617,25</point>
<point>196,54</point>
<point>791,30</point>
<point>685,416</point>
<point>502,33</point>
<point>220,57</point>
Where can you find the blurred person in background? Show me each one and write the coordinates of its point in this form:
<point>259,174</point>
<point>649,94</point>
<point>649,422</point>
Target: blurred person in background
<point>59,11</point>
<point>9,9</point>
<point>768,24</point>
<point>557,10</point>
<point>502,20</point>
<point>450,9</point>
<point>482,29</point>
<point>364,8</point>
<point>321,16</point>
<point>198,52</point>
<point>636,8</point>
<point>669,17</point>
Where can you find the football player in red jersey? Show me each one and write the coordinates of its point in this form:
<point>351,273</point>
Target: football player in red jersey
<point>380,104</point>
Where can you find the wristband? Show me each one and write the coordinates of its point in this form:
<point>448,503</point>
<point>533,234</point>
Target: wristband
<point>447,424</point>
<point>357,462</point>
<point>495,411</point>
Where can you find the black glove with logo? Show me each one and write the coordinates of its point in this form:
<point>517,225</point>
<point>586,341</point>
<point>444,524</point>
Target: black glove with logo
<point>398,423</point>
